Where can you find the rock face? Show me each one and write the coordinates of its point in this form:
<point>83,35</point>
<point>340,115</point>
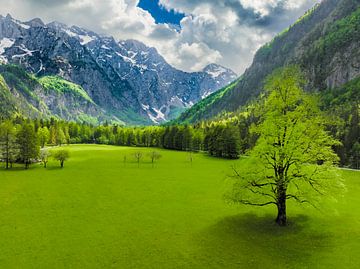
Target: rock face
<point>325,43</point>
<point>127,79</point>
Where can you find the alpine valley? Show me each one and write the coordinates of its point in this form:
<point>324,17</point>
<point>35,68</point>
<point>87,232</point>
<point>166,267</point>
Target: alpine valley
<point>75,74</point>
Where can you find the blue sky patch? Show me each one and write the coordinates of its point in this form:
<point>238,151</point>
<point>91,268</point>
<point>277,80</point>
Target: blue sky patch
<point>160,14</point>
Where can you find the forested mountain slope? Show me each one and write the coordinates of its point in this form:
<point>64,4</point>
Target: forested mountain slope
<point>49,96</point>
<point>325,43</point>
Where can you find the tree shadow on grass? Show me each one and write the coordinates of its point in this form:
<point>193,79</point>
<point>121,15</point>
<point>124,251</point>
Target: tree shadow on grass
<point>256,241</point>
<point>51,168</point>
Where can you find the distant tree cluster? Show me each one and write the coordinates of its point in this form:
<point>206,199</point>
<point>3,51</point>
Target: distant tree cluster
<point>220,139</point>
<point>21,142</point>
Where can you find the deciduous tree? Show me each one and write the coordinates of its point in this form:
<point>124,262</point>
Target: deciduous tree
<point>293,157</point>
<point>138,156</point>
<point>28,144</point>
<point>8,144</point>
<point>61,155</point>
<point>43,134</point>
<point>154,156</point>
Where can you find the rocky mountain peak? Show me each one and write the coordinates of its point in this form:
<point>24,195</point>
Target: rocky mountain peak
<point>127,79</point>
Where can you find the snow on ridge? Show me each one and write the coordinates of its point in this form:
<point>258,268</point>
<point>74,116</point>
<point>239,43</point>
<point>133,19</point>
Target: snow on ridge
<point>158,117</point>
<point>25,50</point>
<point>5,43</point>
<point>133,54</point>
<point>216,72</point>
<point>105,47</point>
<point>126,59</point>
<point>86,39</point>
<point>159,114</point>
<point>144,53</point>
<point>21,24</point>
<point>70,33</point>
<point>206,94</point>
<point>145,107</point>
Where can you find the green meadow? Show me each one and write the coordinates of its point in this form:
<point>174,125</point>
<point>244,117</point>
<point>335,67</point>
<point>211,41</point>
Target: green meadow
<point>99,212</point>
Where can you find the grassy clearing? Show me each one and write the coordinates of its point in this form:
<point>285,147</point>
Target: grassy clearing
<point>101,213</point>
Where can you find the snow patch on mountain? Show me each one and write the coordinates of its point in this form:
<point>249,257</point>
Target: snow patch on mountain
<point>21,24</point>
<point>206,94</point>
<point>5,43</point>
<point>216,72</point>
<point>26,51</point>
<point>84,39</point>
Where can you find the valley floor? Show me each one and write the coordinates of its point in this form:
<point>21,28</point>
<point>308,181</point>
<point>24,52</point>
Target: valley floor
<point>99,212</point>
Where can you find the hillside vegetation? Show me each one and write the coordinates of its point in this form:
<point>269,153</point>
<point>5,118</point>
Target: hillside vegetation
<point>324,43</point>
<point>44,97</point>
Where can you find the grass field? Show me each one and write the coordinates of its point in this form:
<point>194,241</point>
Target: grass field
<point>100,213</point>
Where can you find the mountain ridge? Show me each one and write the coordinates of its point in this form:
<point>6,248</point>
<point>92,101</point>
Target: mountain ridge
<point>127,79</point>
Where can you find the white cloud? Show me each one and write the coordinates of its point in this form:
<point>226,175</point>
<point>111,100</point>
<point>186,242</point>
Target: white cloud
<point>223,31</point>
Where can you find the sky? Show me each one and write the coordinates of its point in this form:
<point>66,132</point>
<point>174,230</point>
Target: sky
<point>189,34</point>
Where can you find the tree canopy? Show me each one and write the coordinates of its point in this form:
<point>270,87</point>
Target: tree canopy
<point>293,157</point>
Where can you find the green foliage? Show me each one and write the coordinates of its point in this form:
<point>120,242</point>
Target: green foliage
<point>338,35</point>
<point>265,51</point>
<point>54,83</point>
<point>154,156</point>
<point>43,136</point>
<point>23,94</point>
<point>342,105</point>
<point>28,144</point>
<point>44,156</point>
<point>8,146</point>
<point>223,141</point>
<point>294,155</point>
<point>7,102</point>
<point>61,155</point>
<point>17,78</point>
<point>195,112</point>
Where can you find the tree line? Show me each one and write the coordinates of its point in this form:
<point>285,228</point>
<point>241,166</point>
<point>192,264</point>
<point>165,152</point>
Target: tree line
<point>228,136</point>
<point>21,139</point>
<point>21,142</point>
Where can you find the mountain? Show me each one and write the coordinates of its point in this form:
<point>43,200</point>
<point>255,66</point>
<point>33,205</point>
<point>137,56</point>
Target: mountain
<point>49,96</point>
<point>127,80</point>
<point>324,42</point>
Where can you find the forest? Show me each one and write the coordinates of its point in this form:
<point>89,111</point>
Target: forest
<point>227,136</point>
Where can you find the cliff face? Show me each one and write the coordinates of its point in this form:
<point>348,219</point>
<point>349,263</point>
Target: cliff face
<point>324,43</point>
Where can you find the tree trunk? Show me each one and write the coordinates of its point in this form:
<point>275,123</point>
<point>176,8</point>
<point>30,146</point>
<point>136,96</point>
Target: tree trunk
<point>281,205</point>
<point>62,164</point>
<point>44,164</point>
<point>7,163</point>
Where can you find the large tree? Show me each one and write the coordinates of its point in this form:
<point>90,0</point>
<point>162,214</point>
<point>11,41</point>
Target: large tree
<point>293,157</point>
<point>43,136</point>
<point>8,144</point>
<point>28,144</point>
